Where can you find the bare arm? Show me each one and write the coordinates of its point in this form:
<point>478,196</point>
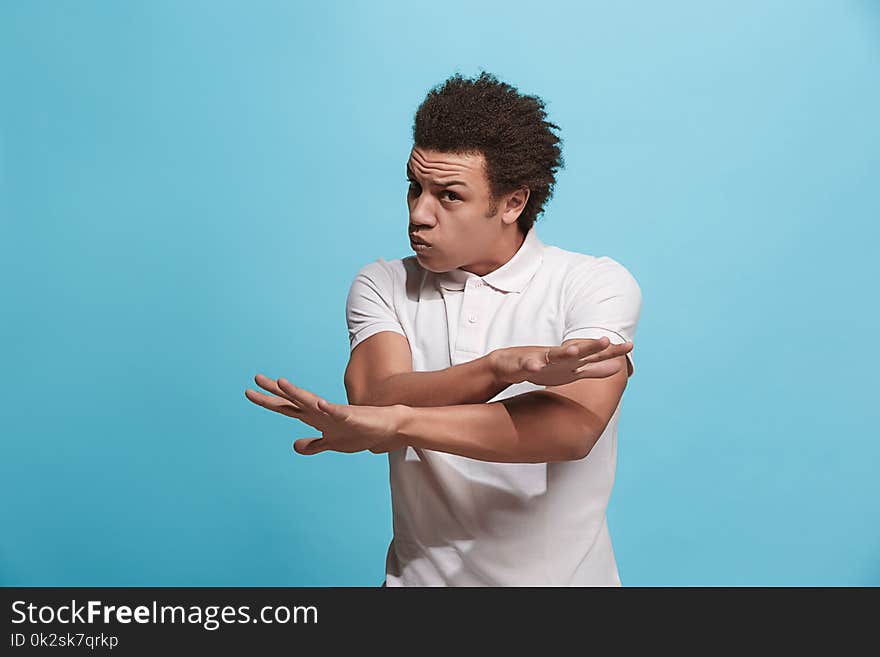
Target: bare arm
<point>469,383</point>
<point>560,423</point>
<point>502,432</point>
<point>380,374</point>
<point>380,371</point>
<point>557,424</point>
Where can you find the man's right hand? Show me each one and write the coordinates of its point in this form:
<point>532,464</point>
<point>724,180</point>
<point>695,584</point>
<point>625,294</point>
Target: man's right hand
<point>556,366</point>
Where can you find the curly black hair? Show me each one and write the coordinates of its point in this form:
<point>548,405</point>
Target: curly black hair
<point>510,129</point>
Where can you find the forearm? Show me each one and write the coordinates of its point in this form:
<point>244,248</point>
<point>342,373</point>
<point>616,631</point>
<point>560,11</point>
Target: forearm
<point>534,427</point>
<point>473,382</point>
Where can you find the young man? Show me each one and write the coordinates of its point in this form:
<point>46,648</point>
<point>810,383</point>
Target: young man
<point>488,366</point>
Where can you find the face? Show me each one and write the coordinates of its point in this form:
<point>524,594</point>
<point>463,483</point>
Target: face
<point>450,208</point>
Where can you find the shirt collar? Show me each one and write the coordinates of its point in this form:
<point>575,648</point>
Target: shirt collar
<point>512,276</point>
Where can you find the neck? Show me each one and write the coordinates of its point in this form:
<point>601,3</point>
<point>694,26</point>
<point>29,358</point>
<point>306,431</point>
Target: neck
<point>508,248</point>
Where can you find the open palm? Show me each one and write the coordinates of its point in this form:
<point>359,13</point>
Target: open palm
<point>344,427</point>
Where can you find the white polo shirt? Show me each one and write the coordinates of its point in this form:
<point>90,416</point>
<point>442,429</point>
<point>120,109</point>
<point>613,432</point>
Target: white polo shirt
<point>464,522</point>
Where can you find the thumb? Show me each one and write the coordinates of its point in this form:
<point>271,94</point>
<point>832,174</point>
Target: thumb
<point>309,446</point>
<point>334,410</point>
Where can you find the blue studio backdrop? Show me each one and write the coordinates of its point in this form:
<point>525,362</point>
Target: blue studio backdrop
<point>188,188</point>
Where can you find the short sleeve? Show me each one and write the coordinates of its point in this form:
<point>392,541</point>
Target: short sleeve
<point>369,308</point>
<point>602,299</point>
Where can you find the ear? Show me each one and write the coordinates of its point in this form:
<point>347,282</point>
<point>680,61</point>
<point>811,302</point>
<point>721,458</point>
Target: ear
<point>514,204</point>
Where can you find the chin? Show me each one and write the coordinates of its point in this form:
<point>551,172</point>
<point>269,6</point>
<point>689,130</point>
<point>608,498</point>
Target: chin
<point>430,267</point>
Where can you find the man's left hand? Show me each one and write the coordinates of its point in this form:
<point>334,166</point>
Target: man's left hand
<point>344,427</point>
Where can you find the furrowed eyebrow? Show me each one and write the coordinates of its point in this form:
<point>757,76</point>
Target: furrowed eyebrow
<point>411,176</point>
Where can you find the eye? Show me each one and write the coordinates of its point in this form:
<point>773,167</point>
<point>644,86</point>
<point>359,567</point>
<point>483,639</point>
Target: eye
<point>412,184</point>
<point>452,195</point>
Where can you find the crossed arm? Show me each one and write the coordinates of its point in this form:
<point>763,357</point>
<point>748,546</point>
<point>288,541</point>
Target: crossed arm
<point>391,406</point>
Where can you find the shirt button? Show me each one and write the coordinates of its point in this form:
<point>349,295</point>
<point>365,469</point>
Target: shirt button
<point>472,318</point>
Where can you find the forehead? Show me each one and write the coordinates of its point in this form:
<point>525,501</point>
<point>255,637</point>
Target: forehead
<point>441,165</point>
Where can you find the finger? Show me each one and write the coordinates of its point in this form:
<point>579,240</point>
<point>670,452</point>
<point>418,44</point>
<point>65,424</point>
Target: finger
<point>299,396</point>
<point>581,348</point>
<point>612,351</point>
<point>270,385</point>
<point>309,446</point>
<point>277,404</point>
<point>593,346</point>
<point>555,354</point>
<point>599,370</point>
<point>337,411</point>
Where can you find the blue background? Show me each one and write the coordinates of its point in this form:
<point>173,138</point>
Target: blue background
<point>188,188</point>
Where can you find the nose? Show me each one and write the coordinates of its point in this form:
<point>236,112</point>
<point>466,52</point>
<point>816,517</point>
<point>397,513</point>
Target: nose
<point>420,212</point>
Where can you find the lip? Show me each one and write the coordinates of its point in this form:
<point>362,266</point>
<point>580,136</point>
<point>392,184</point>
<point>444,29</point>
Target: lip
<point>415,241</point>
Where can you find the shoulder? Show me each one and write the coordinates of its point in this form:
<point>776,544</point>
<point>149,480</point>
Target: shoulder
<point>578,270</point>
<point>389,278</point>
<point>382,272</point>
<point>379,267</point>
